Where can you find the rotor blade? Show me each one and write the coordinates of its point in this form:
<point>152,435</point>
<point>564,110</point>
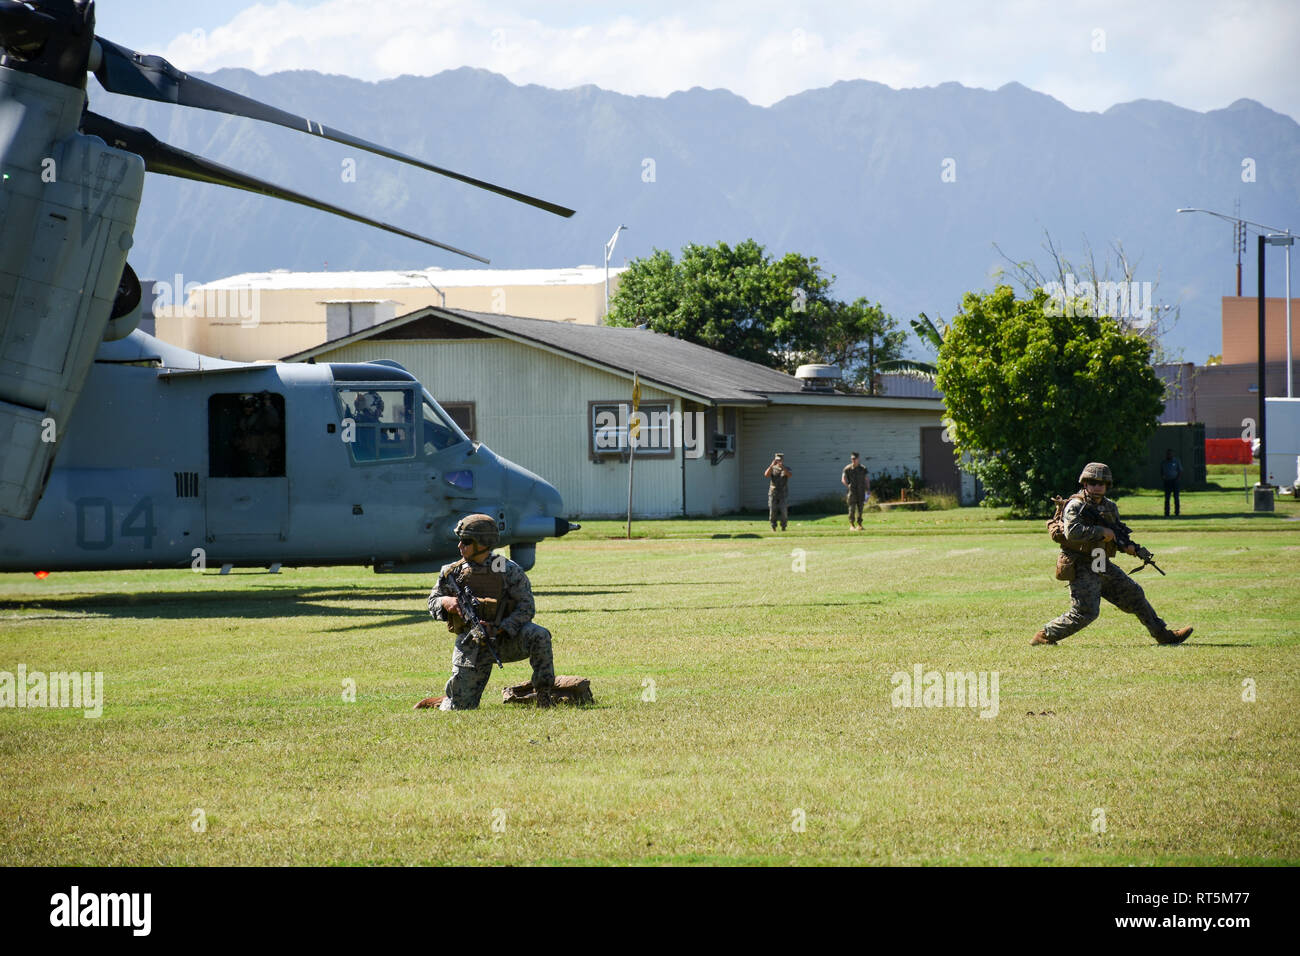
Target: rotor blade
<point>153,78</point>
<point>170,161</point>
<point>22,28</point>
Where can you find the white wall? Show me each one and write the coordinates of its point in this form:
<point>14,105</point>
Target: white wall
<point>817,442</point>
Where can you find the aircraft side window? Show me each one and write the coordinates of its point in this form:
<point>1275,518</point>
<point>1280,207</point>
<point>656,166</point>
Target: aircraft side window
<point>439,431</point>
<point>246,435</point>
<point>383,422</point>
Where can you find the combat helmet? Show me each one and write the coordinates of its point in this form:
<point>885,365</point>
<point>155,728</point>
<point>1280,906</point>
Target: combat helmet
<point>480,528</point>
<point>1096,471</point>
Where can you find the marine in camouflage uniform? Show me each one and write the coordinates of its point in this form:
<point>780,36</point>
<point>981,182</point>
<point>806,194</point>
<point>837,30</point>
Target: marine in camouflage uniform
<point>778,506</point>
<point>854,477</point>
<point>505,603</point>
<point>1088,545</point>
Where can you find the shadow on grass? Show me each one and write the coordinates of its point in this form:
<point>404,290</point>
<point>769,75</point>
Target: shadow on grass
<point>247,603</point>
<point>265,602</point>
<point>1211,515</point>
<point>705,607</point>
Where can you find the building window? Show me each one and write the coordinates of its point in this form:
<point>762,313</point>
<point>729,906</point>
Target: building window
<point>609,424</point>
<point>462,413</point>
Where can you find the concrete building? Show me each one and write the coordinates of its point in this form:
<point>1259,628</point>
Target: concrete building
<point>1240,318</point>
<point>1225,395</point>
<point>259,316</point>
<point>555,397</point>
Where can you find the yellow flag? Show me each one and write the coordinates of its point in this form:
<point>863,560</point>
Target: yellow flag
<point>634,429</point>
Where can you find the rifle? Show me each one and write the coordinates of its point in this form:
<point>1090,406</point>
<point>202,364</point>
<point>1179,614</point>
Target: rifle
<point>465,605</point>
<point>1123,536</point>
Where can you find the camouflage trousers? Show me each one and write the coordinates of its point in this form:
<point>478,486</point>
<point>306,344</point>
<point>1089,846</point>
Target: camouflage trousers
<point>472,666</point>
<point>855,501</point>
<point>778,508</point>
<point>1086,591</point>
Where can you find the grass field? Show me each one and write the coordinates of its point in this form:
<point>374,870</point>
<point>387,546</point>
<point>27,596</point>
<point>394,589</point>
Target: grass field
<point>745,706</point>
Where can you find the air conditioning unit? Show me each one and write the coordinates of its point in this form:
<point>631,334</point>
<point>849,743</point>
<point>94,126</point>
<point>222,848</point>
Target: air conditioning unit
<point>818,378</point>
<point>723,443</point>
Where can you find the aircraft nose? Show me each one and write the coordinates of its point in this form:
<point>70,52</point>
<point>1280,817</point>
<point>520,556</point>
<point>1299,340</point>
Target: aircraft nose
<point>546,498</point>
<point>540,506</point>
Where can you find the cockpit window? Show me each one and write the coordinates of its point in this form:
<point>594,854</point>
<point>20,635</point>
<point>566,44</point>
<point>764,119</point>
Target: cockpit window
<point>378,424</point>
<point>439,430</point>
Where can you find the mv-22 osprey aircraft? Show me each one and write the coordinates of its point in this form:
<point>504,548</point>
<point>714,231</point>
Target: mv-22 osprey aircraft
<point>170,458</point>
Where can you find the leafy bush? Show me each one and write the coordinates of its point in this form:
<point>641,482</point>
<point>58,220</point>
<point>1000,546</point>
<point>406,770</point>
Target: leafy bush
<point>887,487</point>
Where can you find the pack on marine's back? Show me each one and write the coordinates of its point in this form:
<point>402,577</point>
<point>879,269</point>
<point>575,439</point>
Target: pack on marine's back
<point>1056,523</point>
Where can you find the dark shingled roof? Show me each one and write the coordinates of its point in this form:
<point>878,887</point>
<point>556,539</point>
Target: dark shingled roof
<point>660,359</point>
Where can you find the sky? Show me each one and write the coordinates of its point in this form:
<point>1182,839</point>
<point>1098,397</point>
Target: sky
<point>1199,54</point>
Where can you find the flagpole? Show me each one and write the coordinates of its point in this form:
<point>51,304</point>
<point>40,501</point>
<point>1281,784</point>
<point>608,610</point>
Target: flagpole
<point>633,430</point>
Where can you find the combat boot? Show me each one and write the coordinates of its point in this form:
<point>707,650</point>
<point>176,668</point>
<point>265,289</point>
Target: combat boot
<point>544,697</point>
<point>1175,637</point>
<point>1041,638</point>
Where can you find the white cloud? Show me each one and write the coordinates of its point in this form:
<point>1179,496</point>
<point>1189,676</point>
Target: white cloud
<point>1200,54</point>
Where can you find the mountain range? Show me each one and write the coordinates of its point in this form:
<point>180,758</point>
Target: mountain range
<point>901,194</point>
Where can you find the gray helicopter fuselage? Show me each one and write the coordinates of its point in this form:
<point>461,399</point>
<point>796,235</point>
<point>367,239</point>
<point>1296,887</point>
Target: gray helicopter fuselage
<point>173,460</point>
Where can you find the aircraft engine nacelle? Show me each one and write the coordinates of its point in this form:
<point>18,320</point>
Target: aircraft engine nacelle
<point>68,205</point>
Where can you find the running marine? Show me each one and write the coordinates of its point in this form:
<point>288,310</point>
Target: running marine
<point>1087,538</point>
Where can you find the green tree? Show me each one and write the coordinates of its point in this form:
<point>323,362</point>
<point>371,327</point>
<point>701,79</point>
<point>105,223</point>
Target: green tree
<point>1033,395</point>
<point>859,338</point>
<point>931,336</point>
<point>741,301</point>
<point>1153,321</point>
<point>736,300</point>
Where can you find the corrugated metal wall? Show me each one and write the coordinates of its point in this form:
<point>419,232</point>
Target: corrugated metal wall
<point>712,489</point>
<point>531,407</point>
<point>817,442</point>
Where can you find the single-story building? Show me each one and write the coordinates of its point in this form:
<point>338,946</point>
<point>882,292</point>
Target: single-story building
<point>556,398</point>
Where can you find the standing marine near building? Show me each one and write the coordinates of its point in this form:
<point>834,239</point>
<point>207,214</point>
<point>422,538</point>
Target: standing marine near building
<point>1088,541</point>
<point>1171,470</point>
<point>504,603</point>
<point>856,479</point>
<point>778,493</point>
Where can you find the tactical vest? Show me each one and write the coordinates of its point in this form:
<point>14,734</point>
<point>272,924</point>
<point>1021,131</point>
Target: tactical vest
<point>489,589</point>
<point>1073,550</point>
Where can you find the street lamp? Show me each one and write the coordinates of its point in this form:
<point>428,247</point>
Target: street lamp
<point>1280,237</point>
<point>609,251</point>
<point>1287,240</point>
<point>425,277</point>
